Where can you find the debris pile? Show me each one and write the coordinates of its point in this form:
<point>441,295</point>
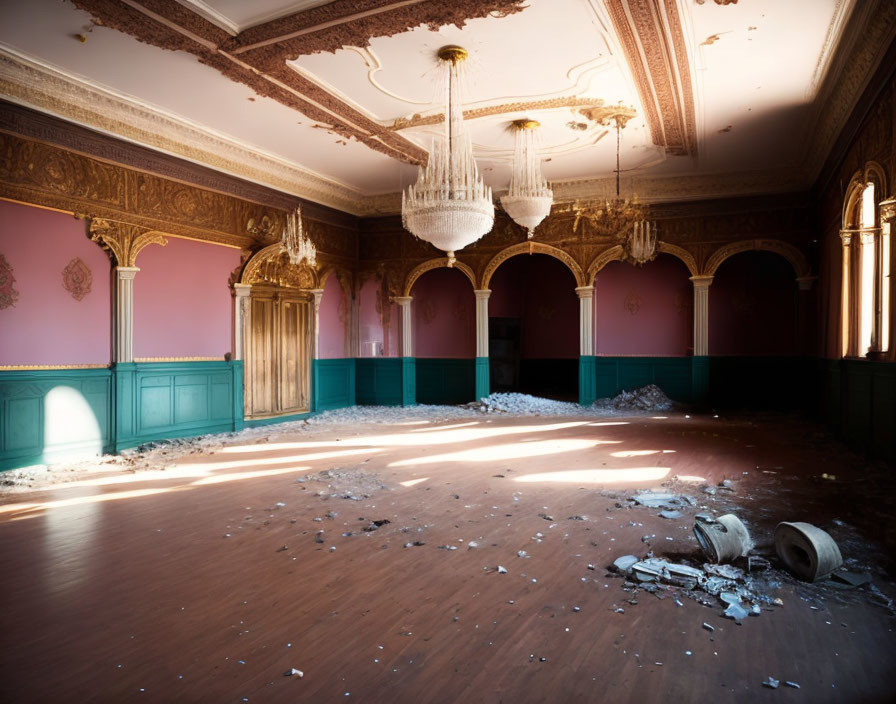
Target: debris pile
<point>647,398</point>
<point>524,404</point>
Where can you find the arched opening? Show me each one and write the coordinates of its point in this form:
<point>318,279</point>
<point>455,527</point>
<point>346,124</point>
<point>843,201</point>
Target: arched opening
<point>644,326</point>
<point>754,338</point>
<point>444,333</point>
<point>534,328</point>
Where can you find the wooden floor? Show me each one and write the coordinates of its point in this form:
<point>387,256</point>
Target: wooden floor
<point>196,585</point>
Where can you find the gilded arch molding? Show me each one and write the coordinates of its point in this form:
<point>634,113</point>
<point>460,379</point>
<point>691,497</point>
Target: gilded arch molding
<point>122,241</point>
<point>796,258</point>
<point>617,253</point>
<point>431,264</point>
<point>271,265</point>
<point>532,248</point>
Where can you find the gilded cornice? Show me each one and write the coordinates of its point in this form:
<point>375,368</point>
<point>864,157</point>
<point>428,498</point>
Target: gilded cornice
<point>30,83</point>
<point>867,41</point>
<point>114,196</point>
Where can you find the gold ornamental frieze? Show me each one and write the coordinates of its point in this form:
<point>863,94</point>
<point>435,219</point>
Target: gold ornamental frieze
<point>271,266</point>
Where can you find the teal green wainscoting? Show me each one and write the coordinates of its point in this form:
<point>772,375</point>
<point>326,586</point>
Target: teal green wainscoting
<point>671,374</point>
<point>699,380</point>
<point>769,383</point>
<point>385,381</point>
<point>446,381</point>
<point>587,379</point>
<point>483,383</point>
<point>159,400</point>
<point>333,383</point>
<point>860,403</point>
<point>54,415</point>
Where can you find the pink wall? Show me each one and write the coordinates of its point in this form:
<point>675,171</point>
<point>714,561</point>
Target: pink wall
<point>182,301</point>
<point>47,325</point>
<point>539,290</point>
<point>752,306</point>
<point>444,310</point>
<point>335,311</point>
<point>644,310</point>
<point>375,340</point>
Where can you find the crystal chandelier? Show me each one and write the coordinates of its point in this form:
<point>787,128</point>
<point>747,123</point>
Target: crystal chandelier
<point>295,243</point>
<point>528,200</point>
<point>449,206</point>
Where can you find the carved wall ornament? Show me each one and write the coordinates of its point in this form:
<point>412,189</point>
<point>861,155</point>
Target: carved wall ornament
<point>632,302</point>
<point>77,278</point>
<point>8,293</point>
<point>271,265</point>
<point>123,241</point>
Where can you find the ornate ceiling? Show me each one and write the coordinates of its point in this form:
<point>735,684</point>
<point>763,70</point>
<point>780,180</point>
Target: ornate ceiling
<point>338,101</point>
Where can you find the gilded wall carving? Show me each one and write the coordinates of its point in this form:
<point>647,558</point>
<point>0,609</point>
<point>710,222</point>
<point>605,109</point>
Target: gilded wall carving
<point>8,293</point>
<point>123,241</point>
<point>77,278</point>
<point>271,265</point>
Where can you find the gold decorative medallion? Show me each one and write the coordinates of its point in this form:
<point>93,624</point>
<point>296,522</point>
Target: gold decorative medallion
<point>77,279</point>
<point>8,294</point>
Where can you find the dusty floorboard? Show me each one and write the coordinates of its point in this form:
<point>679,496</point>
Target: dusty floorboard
<point>122,587</point>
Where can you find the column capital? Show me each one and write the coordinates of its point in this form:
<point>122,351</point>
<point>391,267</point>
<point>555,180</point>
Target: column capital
<point>702,281</point>
<point>845,237</point>
<point>241,290</point>
<point>805,282</point>
<point>482,293</point>
<point>585,291</point>
<point>887,210</point>
<point>402,300</point>
<point>126,272</point>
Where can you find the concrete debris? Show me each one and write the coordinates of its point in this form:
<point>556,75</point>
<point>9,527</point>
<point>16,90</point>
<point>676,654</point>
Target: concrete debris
<point>545,517</point>
<point>736,612</point>
<point>522,553</point>
<point>577,518</point>
<point>771,683</point>
<point>447,547</point>
<point>646,398</point>
<point>653,499</point>
<point>704,517</point>
<point>708,627</point>
<point>293,672</point>
<point>794,685</point>
<point>625,563</point>
<point>670,514</point>
<point>502,570</point>
<point>416,543</point>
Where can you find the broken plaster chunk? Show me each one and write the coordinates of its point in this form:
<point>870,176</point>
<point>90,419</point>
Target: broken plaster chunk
<point>771,683</point>
<point>502,570</point>
<point>624,564</point>
<point>293,672</point>
<point>736,612</point>
<point>670,514</point>
<point>708,627</point>
<point>794,685</point>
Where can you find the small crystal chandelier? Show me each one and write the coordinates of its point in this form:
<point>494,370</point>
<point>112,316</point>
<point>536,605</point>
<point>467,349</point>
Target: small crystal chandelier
<point>528,200</point>
<point>449,206</point>
<point>295,243</point>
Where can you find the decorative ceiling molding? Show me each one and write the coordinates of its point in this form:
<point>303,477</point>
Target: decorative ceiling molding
<point>590,108</point>
<point>869,34</point>
<point>258,56</point>
<point>653,42</point>
<point>27,82</point>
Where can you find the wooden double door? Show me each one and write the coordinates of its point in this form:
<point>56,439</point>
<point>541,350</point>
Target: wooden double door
<point>278,364</point>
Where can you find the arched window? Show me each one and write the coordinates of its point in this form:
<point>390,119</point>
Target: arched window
<point>866,269</point>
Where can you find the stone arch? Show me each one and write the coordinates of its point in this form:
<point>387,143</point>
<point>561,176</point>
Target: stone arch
<point>431,264</point>
<point>271,265</point>
<point>679,253</point>
<point>532,248</point>
<point>796,258</point>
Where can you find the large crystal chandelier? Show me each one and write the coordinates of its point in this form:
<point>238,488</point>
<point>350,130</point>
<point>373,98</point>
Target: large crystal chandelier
<point>294,242</point>
<point>528,200</point>
<point>449,206</point>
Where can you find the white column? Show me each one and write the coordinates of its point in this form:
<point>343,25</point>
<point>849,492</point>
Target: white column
<point>404,303</point>
<point>124,313</point>
<point>317,293</point>
<point>701,315</point>
<point>586,320</point>
<point>846,321</point>
<point>241,313</point>
<point>482,321</point>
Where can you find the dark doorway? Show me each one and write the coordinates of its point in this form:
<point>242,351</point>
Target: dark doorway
<point>504,353</point>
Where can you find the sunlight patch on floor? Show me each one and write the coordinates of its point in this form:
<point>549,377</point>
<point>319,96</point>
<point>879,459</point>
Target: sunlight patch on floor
<point>598,476</point>
<point>491,453</point>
